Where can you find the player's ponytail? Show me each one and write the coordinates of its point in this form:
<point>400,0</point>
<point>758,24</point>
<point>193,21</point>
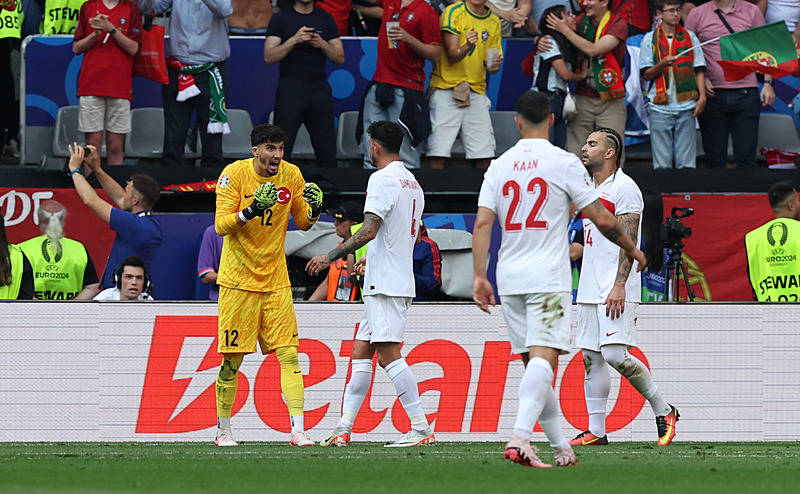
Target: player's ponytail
<point>5,258</point>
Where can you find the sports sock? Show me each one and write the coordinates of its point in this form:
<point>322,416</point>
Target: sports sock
<point>638,375</point>
<point>596,387</point>
<point>227,384</point>
<point>406,386</point>
<point>298,423</point>
<point>224,423</point>
<point>291,379</point>
<point>355,392</point>
<point>533,390</point>
<point>549,421</point>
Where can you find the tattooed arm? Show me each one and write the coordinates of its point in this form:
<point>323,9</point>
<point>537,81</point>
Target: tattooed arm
<point>609,226</point>
<point>615,303</point>
<point>372,223</point>
<point>630,225</point>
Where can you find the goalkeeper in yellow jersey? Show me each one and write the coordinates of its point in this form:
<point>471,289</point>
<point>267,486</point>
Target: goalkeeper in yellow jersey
<point>254,200</point>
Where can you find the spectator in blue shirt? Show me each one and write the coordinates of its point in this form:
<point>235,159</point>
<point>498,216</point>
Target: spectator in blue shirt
<point>138,232</point>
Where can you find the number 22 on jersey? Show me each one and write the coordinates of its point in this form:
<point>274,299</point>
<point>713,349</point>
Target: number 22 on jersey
<point>536,186</point>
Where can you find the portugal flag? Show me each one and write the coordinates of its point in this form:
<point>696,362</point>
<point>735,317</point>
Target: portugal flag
<point>768,49</point>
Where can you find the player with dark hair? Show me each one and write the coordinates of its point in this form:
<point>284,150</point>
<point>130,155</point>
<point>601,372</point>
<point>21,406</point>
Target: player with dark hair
<point>392,215</point>
<point>533,275</point>
<point>255,198</point>
<point>138,232</point>
<point>609,293</point>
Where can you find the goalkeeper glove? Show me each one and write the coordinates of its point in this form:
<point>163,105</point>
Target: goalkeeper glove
<point>312,194</point>
<point>264,197</point>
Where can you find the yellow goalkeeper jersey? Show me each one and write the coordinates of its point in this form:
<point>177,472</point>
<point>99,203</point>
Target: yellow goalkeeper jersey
<point>459,20</point>
<point>253,257</point>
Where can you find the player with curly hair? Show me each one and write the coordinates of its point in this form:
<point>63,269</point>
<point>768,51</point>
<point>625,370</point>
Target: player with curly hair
<point>255,197</point>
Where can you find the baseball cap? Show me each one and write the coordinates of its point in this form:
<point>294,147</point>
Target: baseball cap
<point>349,210</point>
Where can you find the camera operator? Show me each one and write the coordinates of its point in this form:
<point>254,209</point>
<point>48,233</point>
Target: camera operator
<point>131,282</point>
<point>772,249</point>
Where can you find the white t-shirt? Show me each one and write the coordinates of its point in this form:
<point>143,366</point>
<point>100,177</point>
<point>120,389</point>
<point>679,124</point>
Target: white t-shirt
<point>783,10</point>
<point>530,188</point>
<point>393,194</point>
<point>113,293</point>
<point>620,195</point>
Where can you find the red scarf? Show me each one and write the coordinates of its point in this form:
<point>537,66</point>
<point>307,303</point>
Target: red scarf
<point>682,70</point>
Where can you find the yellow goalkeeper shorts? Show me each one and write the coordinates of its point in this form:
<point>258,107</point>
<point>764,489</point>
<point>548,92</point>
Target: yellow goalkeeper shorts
<point>245,317</point>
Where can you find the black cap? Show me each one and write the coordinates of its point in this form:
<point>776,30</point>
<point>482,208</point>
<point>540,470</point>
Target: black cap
<point>349,210</point>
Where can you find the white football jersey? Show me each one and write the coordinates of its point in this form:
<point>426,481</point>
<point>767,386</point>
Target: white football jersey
<point>530,188</point>
<point>393,194</point>
<point>620,195</point>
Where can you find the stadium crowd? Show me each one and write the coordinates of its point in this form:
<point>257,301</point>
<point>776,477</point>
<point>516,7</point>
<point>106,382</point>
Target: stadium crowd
<point>577,58</point>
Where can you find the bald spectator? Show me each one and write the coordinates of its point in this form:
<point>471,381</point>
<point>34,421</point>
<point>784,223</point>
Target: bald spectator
<point>62,267</point>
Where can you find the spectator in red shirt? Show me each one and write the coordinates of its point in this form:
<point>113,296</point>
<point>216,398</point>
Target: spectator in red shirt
<point>109,34</point>
<point>397,90</point>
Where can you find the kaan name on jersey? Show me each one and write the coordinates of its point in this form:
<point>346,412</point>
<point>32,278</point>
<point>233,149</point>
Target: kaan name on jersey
<point>521,166</point>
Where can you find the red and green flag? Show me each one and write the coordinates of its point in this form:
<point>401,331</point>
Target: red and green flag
<point>768,49</point>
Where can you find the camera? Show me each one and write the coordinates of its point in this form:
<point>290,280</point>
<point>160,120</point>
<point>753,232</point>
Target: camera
<point>673,231</point>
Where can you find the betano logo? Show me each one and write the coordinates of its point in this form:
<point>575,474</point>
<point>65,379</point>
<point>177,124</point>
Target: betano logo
<point>166,407</point>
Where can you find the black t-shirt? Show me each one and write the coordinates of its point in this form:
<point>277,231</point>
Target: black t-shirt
<point>304,59</point>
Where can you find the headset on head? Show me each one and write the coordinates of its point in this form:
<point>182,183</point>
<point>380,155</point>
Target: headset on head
<point>116,278</point>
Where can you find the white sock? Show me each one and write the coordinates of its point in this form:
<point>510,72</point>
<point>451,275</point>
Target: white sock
<point>407,390</point>
<point>533,390</point>
<point>355,392</point>
<point>298,423</point>
<point>637,374</point>
<point>551,426</point>
<point>657,402</point>
<point>596,387</point>
<point>224,423</point>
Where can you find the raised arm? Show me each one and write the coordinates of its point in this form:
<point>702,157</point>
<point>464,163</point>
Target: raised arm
<point>85,191</point>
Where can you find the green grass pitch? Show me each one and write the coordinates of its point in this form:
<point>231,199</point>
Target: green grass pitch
<point>620,468</point>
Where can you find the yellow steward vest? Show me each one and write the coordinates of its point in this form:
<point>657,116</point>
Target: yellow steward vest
<point>772,260</point>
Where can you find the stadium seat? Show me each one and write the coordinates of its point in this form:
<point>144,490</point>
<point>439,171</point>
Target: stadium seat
<point>146,139</point>
<point>506,132</point>
<point>346,146</point>
<point>66,132</point>
<point>236,145</point>
<point>777,130</point>
<point>303,150</point>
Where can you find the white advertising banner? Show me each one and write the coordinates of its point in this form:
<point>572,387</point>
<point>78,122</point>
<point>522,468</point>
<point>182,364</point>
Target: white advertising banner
<point>112,371</point>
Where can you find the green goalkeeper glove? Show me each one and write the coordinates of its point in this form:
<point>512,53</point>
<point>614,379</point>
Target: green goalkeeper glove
<point>312,194</point>
<point>264,197</point>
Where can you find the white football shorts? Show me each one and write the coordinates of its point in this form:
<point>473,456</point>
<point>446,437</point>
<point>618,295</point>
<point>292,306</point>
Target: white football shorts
<point>596,329</point>
<point>538,319</point>
<point>384,319</point>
